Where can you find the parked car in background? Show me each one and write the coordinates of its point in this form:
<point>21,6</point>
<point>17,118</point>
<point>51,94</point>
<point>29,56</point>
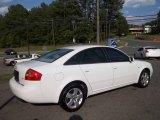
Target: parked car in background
<point>69,75</point>
<point>10,52</point>
<point>30,57</point>
<point>147,52</point>
<point>10,60</point>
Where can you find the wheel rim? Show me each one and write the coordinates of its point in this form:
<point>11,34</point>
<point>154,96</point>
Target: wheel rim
<point>74,98</point>
<point>145,79</point>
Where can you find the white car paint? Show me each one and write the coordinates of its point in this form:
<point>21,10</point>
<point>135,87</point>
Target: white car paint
<point>147,52</point>
<point>55,76</point>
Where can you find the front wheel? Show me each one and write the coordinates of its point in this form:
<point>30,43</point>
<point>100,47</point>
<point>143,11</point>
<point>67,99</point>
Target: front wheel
<point>73,97</point>
<point>144,79</point>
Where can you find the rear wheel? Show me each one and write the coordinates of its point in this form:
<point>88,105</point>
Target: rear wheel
<point>144,79</point>
<point>73,97</point>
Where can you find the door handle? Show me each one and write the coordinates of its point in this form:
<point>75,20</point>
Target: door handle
<point>115,68</point>
<point>87,71</point>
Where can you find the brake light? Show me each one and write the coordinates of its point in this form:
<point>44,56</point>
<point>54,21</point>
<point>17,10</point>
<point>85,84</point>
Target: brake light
<point>33,75</point>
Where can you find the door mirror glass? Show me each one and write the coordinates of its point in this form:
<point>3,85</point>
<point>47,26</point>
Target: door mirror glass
<point>131,59</point>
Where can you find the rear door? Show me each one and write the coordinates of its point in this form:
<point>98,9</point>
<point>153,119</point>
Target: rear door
<point>97,70</point>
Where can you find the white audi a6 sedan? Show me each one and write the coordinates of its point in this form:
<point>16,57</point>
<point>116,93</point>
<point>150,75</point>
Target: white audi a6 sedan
<point>69,75</point>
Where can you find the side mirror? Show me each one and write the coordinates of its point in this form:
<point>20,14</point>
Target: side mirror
<point>131,59</point>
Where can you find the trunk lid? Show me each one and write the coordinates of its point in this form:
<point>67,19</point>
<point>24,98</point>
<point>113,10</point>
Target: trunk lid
<point>21,69</point>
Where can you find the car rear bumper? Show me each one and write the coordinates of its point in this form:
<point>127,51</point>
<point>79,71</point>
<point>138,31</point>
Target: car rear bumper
<point>29,93</point>
<point>152,55</point>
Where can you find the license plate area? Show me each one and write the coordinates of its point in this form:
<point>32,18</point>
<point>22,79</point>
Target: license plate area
<point>16,75</point>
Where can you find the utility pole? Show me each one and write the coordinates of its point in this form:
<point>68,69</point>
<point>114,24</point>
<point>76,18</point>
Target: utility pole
<point>53,41</point>
<point>97,21</point>
<point>73,25</point>
<point>28,46</point>
<point>107,22</point>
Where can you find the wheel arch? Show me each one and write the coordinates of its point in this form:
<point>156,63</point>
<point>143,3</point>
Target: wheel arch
<point>71,82</point>
<point>142,83</point>
<point>141,70</point>
<point>145,69</point>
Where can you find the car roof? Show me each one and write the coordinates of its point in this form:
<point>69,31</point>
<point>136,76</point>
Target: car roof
<point>81,47</point>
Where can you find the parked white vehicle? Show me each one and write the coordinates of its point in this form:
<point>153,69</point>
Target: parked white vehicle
<point>147,52</point>
<point>69,75</point>
<point>31,57</point>
<point>10,61</point>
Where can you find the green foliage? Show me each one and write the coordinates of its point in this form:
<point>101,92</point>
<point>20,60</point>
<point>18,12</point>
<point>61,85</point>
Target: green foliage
<point>155,24</point>
<point>58,22</point>
<point>123,26</point>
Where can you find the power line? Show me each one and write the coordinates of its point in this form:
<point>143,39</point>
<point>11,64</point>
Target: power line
<point>141,16</point>
<point>141,19</point>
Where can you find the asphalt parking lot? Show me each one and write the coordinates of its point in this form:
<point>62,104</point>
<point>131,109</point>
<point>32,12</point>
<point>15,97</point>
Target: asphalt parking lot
<point>128,103</point>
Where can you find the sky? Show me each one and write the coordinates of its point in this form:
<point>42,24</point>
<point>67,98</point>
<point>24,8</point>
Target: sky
<point>130,9</point>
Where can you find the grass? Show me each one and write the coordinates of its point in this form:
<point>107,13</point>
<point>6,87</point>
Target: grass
<point>5,77</point>
<point>34,48</point>
<point>154,36</point>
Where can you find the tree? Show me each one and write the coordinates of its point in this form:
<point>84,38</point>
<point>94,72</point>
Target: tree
<point>122,26</point>
<point>60,22</point>
<point>13,26</point>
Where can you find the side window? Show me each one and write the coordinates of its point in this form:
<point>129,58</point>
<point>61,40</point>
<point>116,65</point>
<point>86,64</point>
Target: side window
<point>93,55</point>
<point>74,60</point>
<point>116,55</point>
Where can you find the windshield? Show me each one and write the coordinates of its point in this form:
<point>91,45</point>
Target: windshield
<point>54,55</point>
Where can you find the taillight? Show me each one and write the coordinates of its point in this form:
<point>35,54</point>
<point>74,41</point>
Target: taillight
<point>33,75</point>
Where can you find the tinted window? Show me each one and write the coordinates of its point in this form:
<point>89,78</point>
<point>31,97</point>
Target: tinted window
<point>93,55</point>
<point>140,49</point>
<point>54,55</point>
<point>116,55</point>
<point>75,59</point>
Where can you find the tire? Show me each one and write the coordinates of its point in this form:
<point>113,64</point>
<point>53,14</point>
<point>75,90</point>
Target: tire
<point>73,97</point>
<point>12,63</point>
<point>144,79</point>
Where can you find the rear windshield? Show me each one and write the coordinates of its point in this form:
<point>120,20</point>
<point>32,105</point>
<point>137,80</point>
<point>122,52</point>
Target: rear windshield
<point>54,55</point>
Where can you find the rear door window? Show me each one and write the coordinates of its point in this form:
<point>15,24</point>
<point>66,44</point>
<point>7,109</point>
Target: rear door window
<point>93,55</point>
